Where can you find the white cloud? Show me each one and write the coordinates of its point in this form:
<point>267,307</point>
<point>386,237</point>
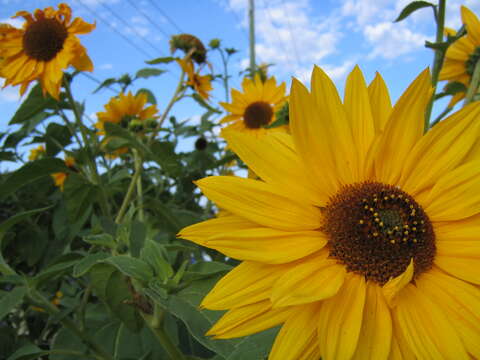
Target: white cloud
<point>106,66</point>
<point>17,22</point>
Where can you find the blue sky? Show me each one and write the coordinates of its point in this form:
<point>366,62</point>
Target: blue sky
<point>292,34</point>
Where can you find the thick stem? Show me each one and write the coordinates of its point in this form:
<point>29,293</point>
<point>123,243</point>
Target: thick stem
<point>130,192</point>
<point>138,165</point>
<point>437,61</point>
<point>473,88</point>
<point>39,300</point>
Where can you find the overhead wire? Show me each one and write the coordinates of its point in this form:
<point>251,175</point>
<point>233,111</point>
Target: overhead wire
<point>165,15</point>
<point>289,25</point>
<point>149,19</point>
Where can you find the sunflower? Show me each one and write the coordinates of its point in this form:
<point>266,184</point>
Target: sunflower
<point>255,108</point>
<point>43,48</point>
<point>200,83</point>
<point>60,177</point>
<point>128,111</point>
<point>361,238</point>
<point>462,56</point>
<point>36,153</point>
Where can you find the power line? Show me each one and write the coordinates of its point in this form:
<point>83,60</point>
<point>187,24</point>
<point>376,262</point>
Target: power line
<point>289,25</point>
<point>124,22</point>
<point>166,16</point>
<point>124,37</point>
<point>148,18</point>
<point>94,79</point>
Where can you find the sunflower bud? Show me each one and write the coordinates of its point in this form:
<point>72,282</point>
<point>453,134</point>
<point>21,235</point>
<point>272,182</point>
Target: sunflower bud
<point>201,143</point>
<point>151,123</point>
<point>214,43</point>
<point>187,42</point>
<point>135,125</point>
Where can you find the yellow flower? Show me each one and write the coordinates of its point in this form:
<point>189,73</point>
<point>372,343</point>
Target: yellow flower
<point>255,108</point>
<point>36,153</point>
<point>130,112</point>
<point>60,177</point>
<point>200,83</point>
<point>361,238</point>
<point>462,55</point>
<point>43,48</point>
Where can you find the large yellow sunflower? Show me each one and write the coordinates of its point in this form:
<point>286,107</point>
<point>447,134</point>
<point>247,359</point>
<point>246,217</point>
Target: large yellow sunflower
<point>43,48</point>
<point>361,238</point>
<point>462,56</point>
<point>129,111</point>
<point>255,108</point>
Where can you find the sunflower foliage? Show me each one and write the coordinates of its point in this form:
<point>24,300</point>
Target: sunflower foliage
<point>144,235</point>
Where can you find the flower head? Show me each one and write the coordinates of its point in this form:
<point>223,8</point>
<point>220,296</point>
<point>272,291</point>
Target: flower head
<point>60,177</point>
<point>129,111</point>
<point>361,236</point>
<point>189,43</point>
<point>36,153</point>
<point>462,56</point>
<point>45,46</point>
<point>200,83</point>
<point>254,108</point>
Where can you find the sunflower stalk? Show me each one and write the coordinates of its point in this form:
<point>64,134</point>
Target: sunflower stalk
<point>437,61</point>
<point>130,191</point>
<point>138,165</point>
<point>225,74</point>
<point>473,87</point>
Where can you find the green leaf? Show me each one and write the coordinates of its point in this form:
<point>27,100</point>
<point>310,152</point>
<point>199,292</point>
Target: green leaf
<point>132,267</point>
<point>33,104</point>
<point>116,130</point>
<point>138,232</point>
<point>105,240</point>
<point>163,153</point>
<point>204,104</point>
<point>27,352</point>
<point>56,137</point>
<point>80,195</point>
<point>12,299</point>
<point>151,99</point>
<point>83,266</point>
<point>455,87</point>
<point>148,72</point>
<point>7,156</point>
<point>31,172</point>
<point>412,7</point>
<point>105,83</point>
<point>161,60</point>
<point>205,269</point>
<point>61,266</point>
<point>153,254</point>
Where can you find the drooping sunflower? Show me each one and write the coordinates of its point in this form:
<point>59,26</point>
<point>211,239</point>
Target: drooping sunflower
<point>45,46</point>
<point>129,111</point>
<point>202,84</point>
<point>462,56</point>
<point>255,107</point>
<point>361,238</point>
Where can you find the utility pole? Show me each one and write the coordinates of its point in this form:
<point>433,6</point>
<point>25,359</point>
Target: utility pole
<point>251,19</point>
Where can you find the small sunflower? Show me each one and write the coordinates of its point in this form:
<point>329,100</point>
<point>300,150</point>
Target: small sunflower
<point>36,153</point>
<point>202,84</point>
<point>60,177</point>
<point>255,108</point>
<point>462,56</point>
<point>361,238</point>
<point>128,111</point>
<point>43,48</point>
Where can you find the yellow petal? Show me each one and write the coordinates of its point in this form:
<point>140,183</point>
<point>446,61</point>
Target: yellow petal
<point>313,280</point>
<point>257,202</point>
<point>426,328</point>
<point>456,195</point>
<point>442,149</point>
<point>392,290</point>
<point>357,108</point>
<point>297,334</point>
<point>400,350</point>
<point>468,249</point>
<point>267,245</point>
<point>249,319</point>
<point>465,268</point>
<point>200,232</point>
<point>460,50</point>
<point>461,303</point>
<point>248,283</point>
<point>403,129</point>
<point>341,319</point>
<point>335,126</point>
<point>472,24</point>
<point>376,332</point>
<point>274,159</point>
<point>307,128</point>
<point>380,103</point>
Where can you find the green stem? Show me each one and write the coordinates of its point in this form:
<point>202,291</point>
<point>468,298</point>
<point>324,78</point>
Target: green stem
<point>39,300</point>
<point>90,158</point>
<point>225,75</point>
<point>155,323</point>
<point>473,88</point>
<point>130,191</point>
<point>138,165</point>
<point>437,61</point>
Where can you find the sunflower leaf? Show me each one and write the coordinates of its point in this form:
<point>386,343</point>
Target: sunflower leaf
<point>411,8</point>
<point>161,60</point>
<point>148,72</point>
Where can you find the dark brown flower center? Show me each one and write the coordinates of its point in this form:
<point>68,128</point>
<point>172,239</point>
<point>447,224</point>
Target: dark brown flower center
<point>376,229</point>
<point>257,114</point>
<point>44,39</point>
